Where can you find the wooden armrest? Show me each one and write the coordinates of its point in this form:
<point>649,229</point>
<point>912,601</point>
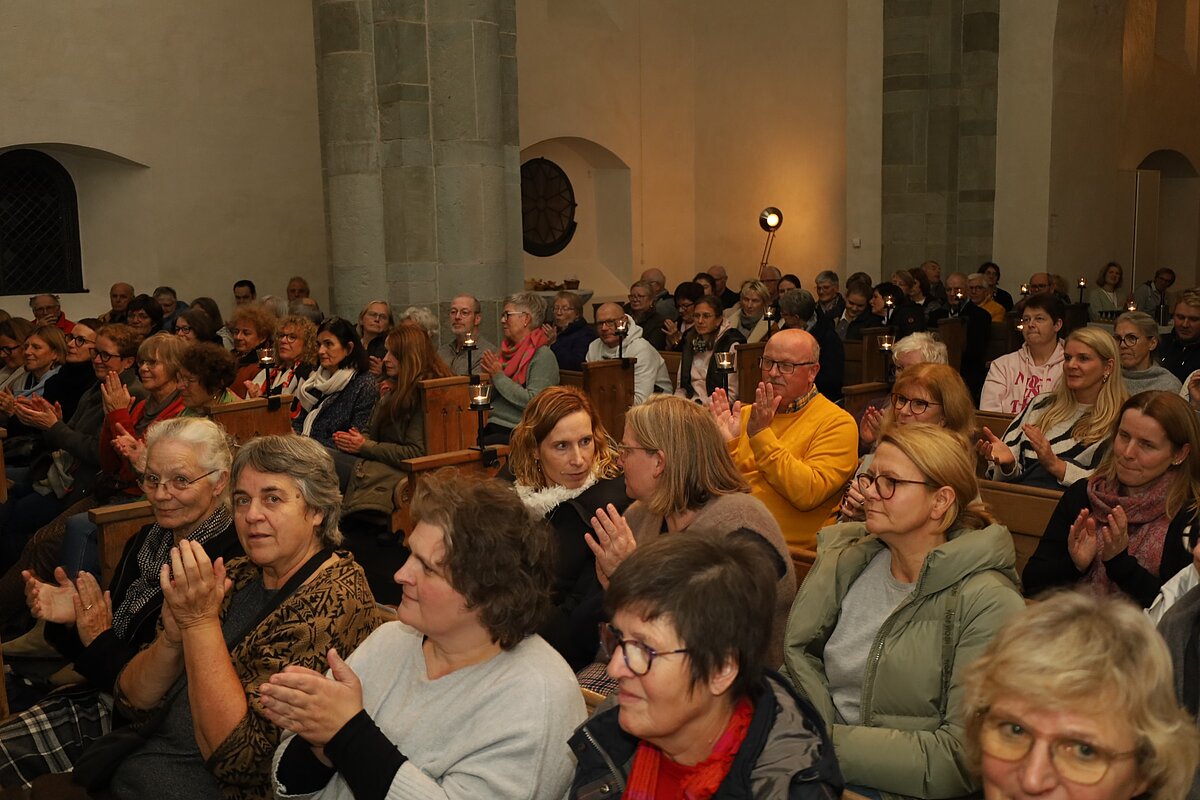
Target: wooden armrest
<point>454,458</point>
<point>120,513</point>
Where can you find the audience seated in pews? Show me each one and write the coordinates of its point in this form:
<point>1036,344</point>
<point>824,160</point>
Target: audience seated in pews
<point>748,317</point>
<point>641,307</point>
<point>854,317</point>
<point>893,612</point>
<point>699,714</point>
<point>569,333</point>
<point>830,302</point>
<point>680,475</point>
<point>664,303</point>
<point>523,367</point>
<point>210,308</point>
<point>929,393</point>
<point>47,310</point>
<point>798,310</point>
<point>1059,439</point>
<point>721,290</point>
<point>916,348</point>
<point>295,358</point>
<point>460,698</point>
<point>1073,698</point>
<point>244,292</point>
<point>920,293</point>
<point>253,327</point>
<point>194,692</point>
<point>1103,300</point>
<point>1151,296</point>
<point>794,447</point>
<point>650,372</point>
<point>903,316</point>
<point>368,460</point>
<point>99,633</point>
<point>770,276</point>
<point>1179,351</point>
<point>144,315</point>
<point>1015,379</point>
<point>206,371</point>
<point>44,351</point>
<point>340,394</point>
<point>465,317</point>
<point>707,282</point>
<point>168,300</point>
<point>699,375</point>
<point>982,295</point>
<point>991,273</point>
<point>13,333</point>
<point>932,271</point>
<point>193,325</point>
<point>297,289</point>
<point>978,323</point>
<point>119,295</point>
<point>565,467</point>
<point>687,294</point>
<point>1137,339</point>
<point>374,322</point>
<point>1123,528</point>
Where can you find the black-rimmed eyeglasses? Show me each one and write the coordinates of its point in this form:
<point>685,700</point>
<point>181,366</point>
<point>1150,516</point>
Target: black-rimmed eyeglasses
<point>784,367</point>
<point>915,404</point>
<point>885,485</point>
<point>638,656</point>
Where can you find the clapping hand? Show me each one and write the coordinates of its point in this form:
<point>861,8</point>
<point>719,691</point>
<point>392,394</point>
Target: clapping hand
<point>375,365</point>
<point>350,441</point>
<point>52,602</point>
<point>728,418</point>
<point>193,587</point>
<point>311,705</point>
<point>1045,453</point>
<point>132,448</point>
<point>853,503</point>
<point>868,426</point>
<point>490,363</point>
<point>93,608</point>
<point>762,413</point>
<point>1193,388</point>
<point>551,333</point>
<point>36,412</point>
<point>116,394</point>
<point>611,541</point>
<point>994,451</point>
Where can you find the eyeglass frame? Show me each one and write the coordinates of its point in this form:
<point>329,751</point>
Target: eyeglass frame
<point>617,641</point>
<point>504,315</point>
<point>622,449</point>
<point>79,340</point>
<point>100,354</point>
<point>780,365</point>
<point>1123,341</point>
<point>144,479</point>
<point>866,480</point>
<point>911,402</point>
<point>1107,756</point>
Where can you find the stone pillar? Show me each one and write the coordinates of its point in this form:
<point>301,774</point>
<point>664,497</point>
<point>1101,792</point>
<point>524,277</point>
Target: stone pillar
<point>939,132</point>
<point>442,94</point>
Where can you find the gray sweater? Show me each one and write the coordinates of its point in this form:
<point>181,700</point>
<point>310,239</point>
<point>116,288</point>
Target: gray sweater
<point>509,398</point>
<point>1157,378</point>
<point>494,729</point>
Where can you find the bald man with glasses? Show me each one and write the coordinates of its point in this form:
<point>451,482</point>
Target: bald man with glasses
<point>796,448</point>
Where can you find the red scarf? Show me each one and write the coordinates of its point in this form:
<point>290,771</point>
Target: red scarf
<point>699,782</point>
<point>516,357</point>
<point>1147,517</point>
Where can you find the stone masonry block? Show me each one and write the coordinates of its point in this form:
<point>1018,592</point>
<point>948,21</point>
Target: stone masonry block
<point>404,121</point>
<point>352,158</point>
<point>941,153</point>
<point>905,64</point>
<point>494,189</point>
<point>488,82</point>
<point>461,154</point>
<point>981,31</point>
<point>464,10</point>
<point>420,219</point>
<point>459,214</point>
<point>356,219</point>
<point>508,44</point>
<point>338,27</point>
<point>452,81</point>
<point>898,138</point>
<point>409,10</point>
<point>404,92</point>
<point>906,8</point>
<point>507,15</point>
<point>900,83</point>
<point>904,227</point>
<point>348,98</point>
<point>400,53</point>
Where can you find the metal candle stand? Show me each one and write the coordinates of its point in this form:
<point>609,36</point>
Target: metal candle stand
<point>889,305</point>
<point>622,332</point>
<point>725,366</point>
<point>1082,286</point>
<point>770,315</point>
<point>481,402</point>
<point>266,359</point>
<point>886,342</point>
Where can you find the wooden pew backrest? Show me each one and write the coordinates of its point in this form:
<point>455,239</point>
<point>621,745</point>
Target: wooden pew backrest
<point>855,399</point>
<point>854,365</point>
<point>672,359</point>
<point>953,332</point>
<point>118,524</point>
<point>450,424</point>
<point>749,373</point>
<point>802,561</point>
<point>875,364</point>
<point>1024,510</point>
<point>467,459</point>
<point>247,419</point>
<point>995,421</point>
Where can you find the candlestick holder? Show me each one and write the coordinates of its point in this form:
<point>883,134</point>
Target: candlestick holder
<point>481,402</point>
<point>1131,304</point>
<point>266,359</point>
<point>770,315</point>
<point>622,332</point>
<point>469,345</point>
<point>1082,286</point>
<point>724,366</point>
<point>1024,290</point>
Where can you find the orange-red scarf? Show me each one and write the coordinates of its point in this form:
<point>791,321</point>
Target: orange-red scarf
<point>516,357</point>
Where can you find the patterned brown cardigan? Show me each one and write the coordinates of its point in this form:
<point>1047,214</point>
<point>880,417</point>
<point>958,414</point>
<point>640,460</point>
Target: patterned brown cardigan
<point>334,608</point>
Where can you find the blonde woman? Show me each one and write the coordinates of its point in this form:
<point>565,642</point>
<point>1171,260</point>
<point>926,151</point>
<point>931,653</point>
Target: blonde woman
<point>1060,438</point>
<point>895,609</point>
<point>1074,699</point>
<point>748,317</point>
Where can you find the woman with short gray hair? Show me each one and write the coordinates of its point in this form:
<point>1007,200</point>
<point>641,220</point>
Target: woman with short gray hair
<point>524,366</point>
<point>1137,344</point>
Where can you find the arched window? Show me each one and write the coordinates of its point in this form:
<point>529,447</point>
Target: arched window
<point>39,225</point>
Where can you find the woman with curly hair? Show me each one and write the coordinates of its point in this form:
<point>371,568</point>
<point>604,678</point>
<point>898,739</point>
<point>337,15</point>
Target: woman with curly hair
<point>460,698</point>
<point>295,359</point>
<point>205,372</point>
<point>565,468</point>
<point>253,328</point>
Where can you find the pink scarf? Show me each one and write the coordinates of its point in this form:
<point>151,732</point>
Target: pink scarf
<point>516,357</point>
<point>1146,512</point>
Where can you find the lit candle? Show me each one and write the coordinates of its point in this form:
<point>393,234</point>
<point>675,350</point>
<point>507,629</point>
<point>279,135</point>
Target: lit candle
<point>958,295</point>
<point>1131,305</point>
<point>481,395</point>
<point>469,341</point>
<point>1024,289</point>
<point>266,356</point>
<point>889,302</point>
<point>769,313</point>
<point>1082,283</point>
<point>622,327</point>
<point>886,341</point>
<point>724,360</point>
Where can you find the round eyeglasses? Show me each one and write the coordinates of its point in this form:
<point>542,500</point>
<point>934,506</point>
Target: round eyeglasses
<point>638,656</point>
<point>885,485</point>
<point>1076,761</point>
<point>1128,340</point>
<point>915,405</point>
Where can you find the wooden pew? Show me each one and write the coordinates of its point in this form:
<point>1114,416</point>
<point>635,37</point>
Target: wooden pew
<point>802,561</point>
<point>854,366</point>
<point>468,460</point>
<point>995,421</point>
<point>118,524</point>
<point>876,365</point>
<point>1024,510</point>
<point>450,424</point>
<point>672,358</point>
<point>609,385</point>
<point>1003,339</point>
<point>748,370</point>
<point>855,399</point>
<point>953,332</point>
<point>247,419</point>
<point>1077,317</point>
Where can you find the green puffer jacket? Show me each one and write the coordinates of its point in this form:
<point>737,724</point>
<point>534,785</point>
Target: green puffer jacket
<point>910,743</point>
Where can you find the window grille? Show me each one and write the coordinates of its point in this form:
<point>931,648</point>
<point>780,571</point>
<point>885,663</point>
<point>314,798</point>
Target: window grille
<point>39,226</point>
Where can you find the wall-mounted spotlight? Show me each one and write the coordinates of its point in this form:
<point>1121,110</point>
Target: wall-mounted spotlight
<point>770,220</point>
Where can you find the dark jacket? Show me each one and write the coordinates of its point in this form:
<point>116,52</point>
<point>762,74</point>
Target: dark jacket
<point>1051,565</point>
<point>652,328</point>
<point>712,379</point>
<point>376,471</point>
<point>854,331</point>
<point>1181,358</point>
<point>786,753</point>
<point>349,408</point>
<point>102,660</point>
<point>974,356</point>
<point>570,348</point>
<point>832,359</point>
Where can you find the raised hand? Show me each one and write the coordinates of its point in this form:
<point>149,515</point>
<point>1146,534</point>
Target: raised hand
<point>130,446</point>
<point>252,389</point>
<point>671,329</point>
<point>311,705</point>
<point>1193,388</point>
<point>868,426</point>
<point>53,602</point>
<point>551,333</point>
<point>375,365</point>
<point>766,403</point>
<point>93,609</point>
<point>193,587</point>
<point>116,394</point>
<point>728,418</point>
<point>8,403</point>
<point>1082,543</point>
<point>1046,457</point>
<point>350,441</point>
<point>993,450</point>
<point>610,540</point>
<point>1114,536</point>
<point>853,503</point>
<point>36,412</point>
<point>490,363</point>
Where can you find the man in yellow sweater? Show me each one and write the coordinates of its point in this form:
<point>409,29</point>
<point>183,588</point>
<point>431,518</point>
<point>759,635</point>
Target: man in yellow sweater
<point>796,448</point>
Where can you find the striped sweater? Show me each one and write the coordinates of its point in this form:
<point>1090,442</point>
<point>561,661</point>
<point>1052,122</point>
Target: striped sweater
<point>1081,459</point>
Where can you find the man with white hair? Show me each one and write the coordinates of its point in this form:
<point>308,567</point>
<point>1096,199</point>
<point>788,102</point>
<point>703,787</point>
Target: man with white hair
<point>664,304</point>
<point>48,311</point>
<point>796,448</point>
<point>830,303</point>
<point>650,373</point>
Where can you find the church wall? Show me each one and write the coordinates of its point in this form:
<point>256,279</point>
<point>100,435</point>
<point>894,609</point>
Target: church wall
<point>717,110</point>
<point>190,130</point>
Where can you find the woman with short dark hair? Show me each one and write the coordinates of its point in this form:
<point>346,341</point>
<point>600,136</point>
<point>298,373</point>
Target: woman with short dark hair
<point>460,698</point>
<point>340,394</point>
<point>205,372</point>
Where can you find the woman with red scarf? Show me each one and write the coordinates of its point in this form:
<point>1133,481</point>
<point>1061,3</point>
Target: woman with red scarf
<point>697,716</point>
<point>1124,528</point>
<point>524,367</point>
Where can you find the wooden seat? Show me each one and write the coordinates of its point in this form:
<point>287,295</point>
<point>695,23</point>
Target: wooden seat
<point>953,333</point>
<point>247,419</point>
<point>854,369</point>
<point>802,561</point>
<point>118,524</point>
<point>591,699</point>
<point>995,421</point>
<point>875,364</point>
<point>609,385</point>
<point>672,359</point>
<point>450,424</point>
<point>749,372</point>
<point>1024,510</point>
<point>1003,339</point>
<point>855,399</point>
<point>470,460</point>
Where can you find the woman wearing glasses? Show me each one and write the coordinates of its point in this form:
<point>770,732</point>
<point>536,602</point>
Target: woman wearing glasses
<point>930,393</point>
<point>68,376</point>
<point>1136,334</point>
<point>373,325</point>
<point>1013,380</point>
<point>1124,528</point>
<point>295,359</point>
<point>460,698</point>
<point>893,611</point>
<point>699,376</point>
<point>1074,699</point>
<point>698,714</point>
<point>524,366</point>
<point>253,327</point>
<point>205,372</point>
<point>1060,439</point>
<point>189,459</point>
<point>13,333</point>
<point>194,325</point>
